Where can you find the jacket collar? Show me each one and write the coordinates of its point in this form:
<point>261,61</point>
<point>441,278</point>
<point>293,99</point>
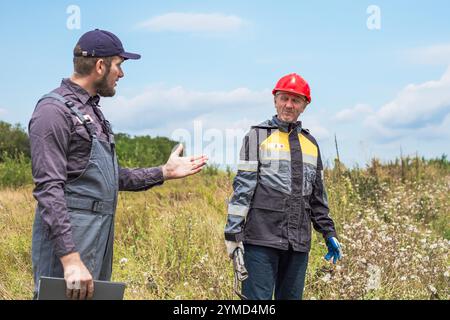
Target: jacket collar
<point>285,126</point>
<point>80,93</point>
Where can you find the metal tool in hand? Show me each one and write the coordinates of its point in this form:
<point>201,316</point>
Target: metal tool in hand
<point>240,272</point>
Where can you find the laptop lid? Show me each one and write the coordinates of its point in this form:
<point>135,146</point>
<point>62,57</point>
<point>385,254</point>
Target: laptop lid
<point>55,289</point>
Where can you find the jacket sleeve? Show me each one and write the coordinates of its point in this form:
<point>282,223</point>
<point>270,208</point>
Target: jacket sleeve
<point>320,216</point>
<point>140,179</point>
<point>244,185</point>
<point>49,131</point>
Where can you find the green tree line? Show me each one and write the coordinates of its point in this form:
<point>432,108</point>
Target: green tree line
<point>13,141</point>
<point>145,151</point>
<point>15,157</point>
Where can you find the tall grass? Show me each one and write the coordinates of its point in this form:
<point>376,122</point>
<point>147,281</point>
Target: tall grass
<point>392,220</point>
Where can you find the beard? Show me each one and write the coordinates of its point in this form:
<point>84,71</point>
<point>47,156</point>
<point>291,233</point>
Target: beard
<point>102,87</point>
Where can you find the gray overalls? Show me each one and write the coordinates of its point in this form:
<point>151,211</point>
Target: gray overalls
<point>91,203</point>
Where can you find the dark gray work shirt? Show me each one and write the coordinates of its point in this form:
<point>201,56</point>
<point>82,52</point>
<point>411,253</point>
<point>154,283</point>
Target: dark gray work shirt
<point>60,150</point>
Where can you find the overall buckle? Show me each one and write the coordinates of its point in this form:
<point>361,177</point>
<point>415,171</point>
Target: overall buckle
<point>97,206</point>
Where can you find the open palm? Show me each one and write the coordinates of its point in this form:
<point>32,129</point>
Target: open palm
<point>179,167</point>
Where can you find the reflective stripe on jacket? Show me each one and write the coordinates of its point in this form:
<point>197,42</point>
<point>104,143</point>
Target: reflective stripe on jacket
<point>279,189</point>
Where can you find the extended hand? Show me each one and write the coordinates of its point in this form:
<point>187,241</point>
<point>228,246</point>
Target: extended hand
<point>334,250</point>
<point>180,167</point>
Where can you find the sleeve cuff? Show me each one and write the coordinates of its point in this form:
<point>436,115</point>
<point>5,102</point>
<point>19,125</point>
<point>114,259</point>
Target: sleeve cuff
<point>330,234</point>
<point>64,245</point>
<point>235,237</point>
<point>154,177</point>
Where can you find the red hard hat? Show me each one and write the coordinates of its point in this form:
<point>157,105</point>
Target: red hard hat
<point>293,83</point>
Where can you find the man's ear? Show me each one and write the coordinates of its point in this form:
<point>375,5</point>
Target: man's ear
<point>100,67</point>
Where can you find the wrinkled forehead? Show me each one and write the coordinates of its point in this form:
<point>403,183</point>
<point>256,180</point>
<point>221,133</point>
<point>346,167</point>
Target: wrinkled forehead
<point>289,94</point>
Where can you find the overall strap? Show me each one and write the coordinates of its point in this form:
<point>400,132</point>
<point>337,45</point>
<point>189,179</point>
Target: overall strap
<point>69,104</point>
<point>110,133</point>
<point>106,125</point>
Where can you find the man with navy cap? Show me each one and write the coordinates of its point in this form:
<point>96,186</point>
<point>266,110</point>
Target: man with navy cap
<point>75,169</point>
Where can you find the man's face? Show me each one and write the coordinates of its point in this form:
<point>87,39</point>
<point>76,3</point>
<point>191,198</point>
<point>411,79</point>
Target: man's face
<point>106,85</point>
<point>289,106</point>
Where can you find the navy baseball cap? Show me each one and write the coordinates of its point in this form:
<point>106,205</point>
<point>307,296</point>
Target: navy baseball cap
<point>101,43</point>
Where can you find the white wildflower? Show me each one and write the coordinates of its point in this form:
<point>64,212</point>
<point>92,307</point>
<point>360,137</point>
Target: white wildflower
<point>374,281</point>
<point>204,259</point>
<point>432,289</point>
<point>358,243</point>
<point>326,278</point>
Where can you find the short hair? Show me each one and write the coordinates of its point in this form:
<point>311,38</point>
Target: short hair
<point>84,65</point>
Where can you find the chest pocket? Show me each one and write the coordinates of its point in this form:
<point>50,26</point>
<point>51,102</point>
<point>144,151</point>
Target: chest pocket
<point>80,146</point>
<point>81,132</point>
<point>309,177</point>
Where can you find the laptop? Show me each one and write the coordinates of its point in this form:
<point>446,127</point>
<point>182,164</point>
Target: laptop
<point>55,289</point>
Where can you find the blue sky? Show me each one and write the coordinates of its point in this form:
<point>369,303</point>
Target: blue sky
<point>212,65</point>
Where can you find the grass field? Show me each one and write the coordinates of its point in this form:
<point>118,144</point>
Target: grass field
<point>392,220</point>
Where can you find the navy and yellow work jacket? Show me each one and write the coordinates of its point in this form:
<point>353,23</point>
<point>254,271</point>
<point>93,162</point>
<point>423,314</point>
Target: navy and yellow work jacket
<point>279,189</point>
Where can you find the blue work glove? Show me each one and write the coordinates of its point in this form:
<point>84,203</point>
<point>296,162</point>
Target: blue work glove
<point>334,250</point>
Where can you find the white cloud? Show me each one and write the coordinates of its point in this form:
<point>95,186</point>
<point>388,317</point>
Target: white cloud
<point>315,126</point>
<point>3,112</point>
<point>432,55</point>
<point>204,120</point>
<point>357,112</point>
<point>211,122</point>
<point>201,115</point>
<point>418,109</point>
<point>193,22</point>
<point>162,108</point>
<point>319,132</point>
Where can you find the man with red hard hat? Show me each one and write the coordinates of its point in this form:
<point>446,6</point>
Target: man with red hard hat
<point>278,192</point>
